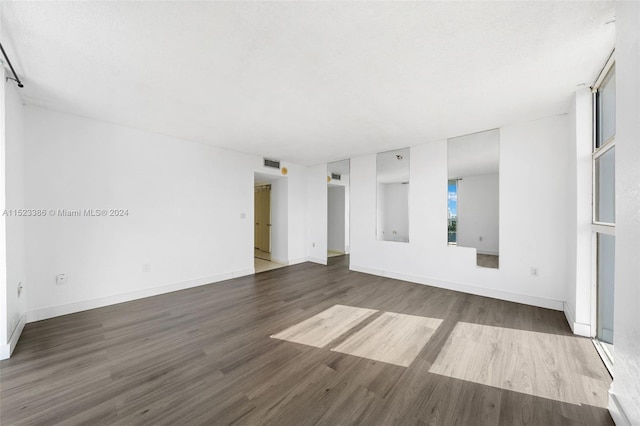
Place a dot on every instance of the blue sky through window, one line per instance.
(452, 203)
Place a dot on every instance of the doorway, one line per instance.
(338, 208)
(270, 232)
(262, 216)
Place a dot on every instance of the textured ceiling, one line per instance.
(307, 82)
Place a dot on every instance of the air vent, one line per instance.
(274, 164)
(335, 176)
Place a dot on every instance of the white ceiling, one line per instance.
(307, 82)
(475, 154)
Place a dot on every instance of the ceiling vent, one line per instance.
(335, 176)
(274, 164)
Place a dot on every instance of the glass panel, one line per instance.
(452, 211)
(605, 187)
(473, 195)
(606, 264)
(338, 208)
(392, 215)
(606, 109)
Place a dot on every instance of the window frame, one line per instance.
(598, 227)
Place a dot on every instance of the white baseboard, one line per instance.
(465, 288)
(297, 260)
(578, 328)
(56, 311)
(318, 260)
(7, 350)
(617, 412)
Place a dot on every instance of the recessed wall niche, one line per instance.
(392, 195)
(473, 195)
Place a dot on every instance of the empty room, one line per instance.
(333, 213)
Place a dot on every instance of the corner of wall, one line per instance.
(617, 413)
(577, 328)
(7, 349)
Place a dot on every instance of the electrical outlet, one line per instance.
(313, 244)
(480, 238)
(146, 267)
(19, 289)
(61, 279)
(534, 271)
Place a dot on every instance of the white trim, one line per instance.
(617, 412)
(603, 228)
(578, 328)
(541, 302)
(603, 354)
(610, 143)
(593, 313)
(297, 260)
(7, 350)
(605, 70)
(55, 311)
(318, 260)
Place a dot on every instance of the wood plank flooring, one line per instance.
(392, 338)
(204, 356)
(325, 327)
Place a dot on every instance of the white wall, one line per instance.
(533, 157)
(13, 173)
(4, 348)
(394, 208)
(336, 213)
(317, 213)
(279, 220)
(625, 394)
(185, 203)
(381, 202)
(579, 256)
(297, 216)
(347, 213)
(478, 214)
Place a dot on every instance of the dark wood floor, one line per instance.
(204, 356)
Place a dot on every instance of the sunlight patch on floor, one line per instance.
(392, 338)
(540, 364)
(328, 325)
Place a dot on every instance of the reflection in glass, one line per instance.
(452, 212)
(606, 267)
(338, 208)
(473, 195)
(606, 107)
(605, 187)
(392, 201)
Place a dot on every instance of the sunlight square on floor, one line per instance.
(540, 364)
(392, 338)
(328, 325)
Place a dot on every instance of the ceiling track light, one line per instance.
(15, 76)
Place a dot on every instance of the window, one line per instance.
(452, 212)
(604, 209)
